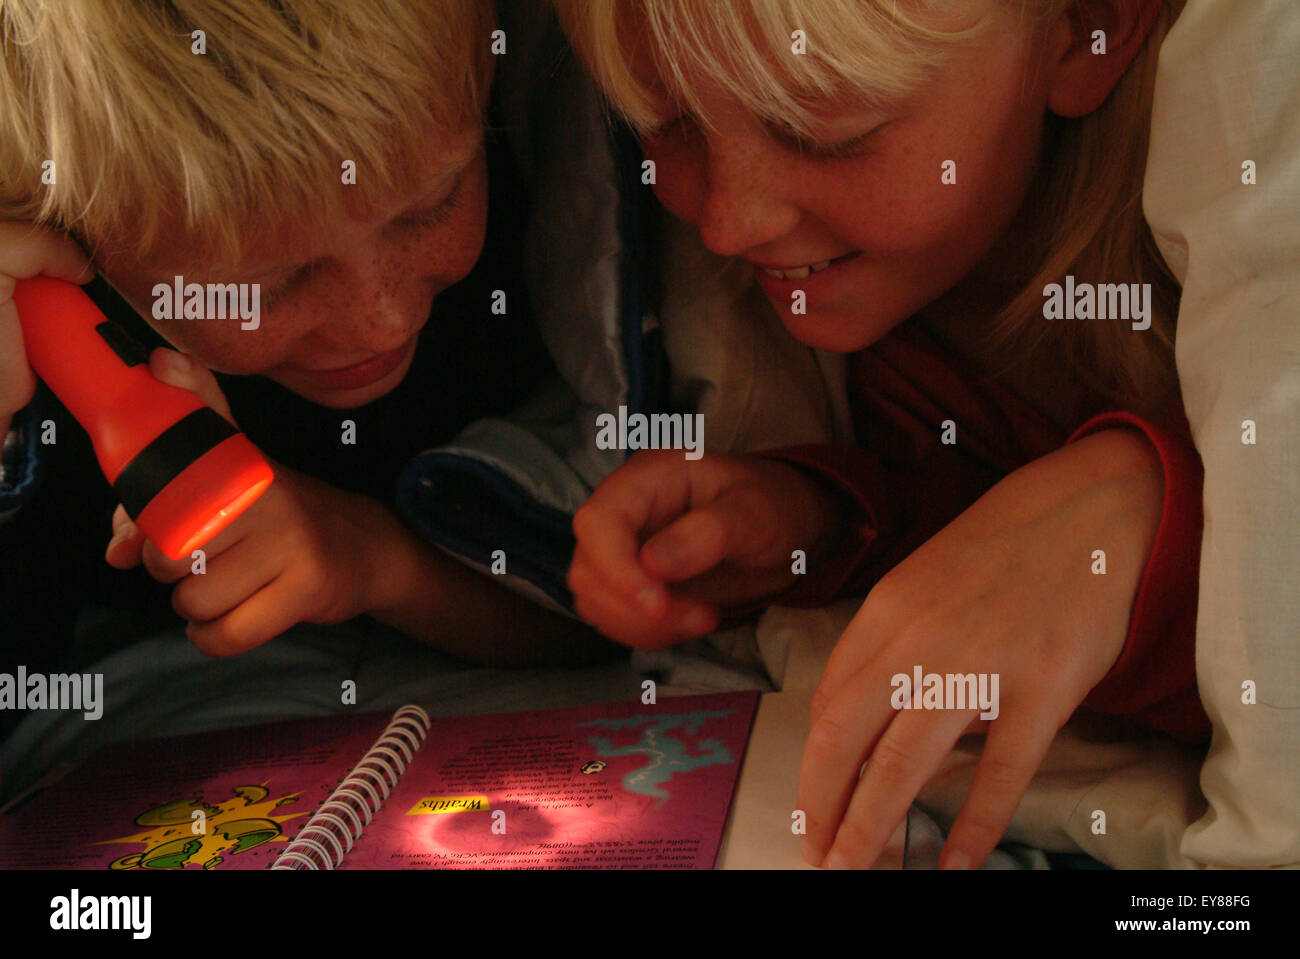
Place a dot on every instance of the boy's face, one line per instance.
(867, 195)
(340, 309)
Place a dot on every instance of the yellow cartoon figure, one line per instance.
(191, 832)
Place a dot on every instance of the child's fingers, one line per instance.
(160, 567)
(177, 369)
(643, 495)
(901, 761)
(601, 605)
(879, 616)
(1012, 753)
(614, 617)
(684, 621)
(736, 525)
(266, 614)
(840, 739)
(27, 250)
(227, 581)
(129, 548)
(125, 547)
(689, 546)
(607, 540)
(17, 381)
(732, 588)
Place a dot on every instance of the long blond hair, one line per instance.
(115, 122)
(1088, 195)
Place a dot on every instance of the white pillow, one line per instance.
(1227, 102)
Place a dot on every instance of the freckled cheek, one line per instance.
(449, 254)
(678, 178)
(421, 266)
(902, 208)
(393, 297)
(882, 217)
(421, 263)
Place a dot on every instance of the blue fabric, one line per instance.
(473, 510)
(469, 507)
(22, 460)
(643, 352)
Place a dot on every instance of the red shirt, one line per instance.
(906, 485)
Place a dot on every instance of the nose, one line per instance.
(744, 205)
(372, 312)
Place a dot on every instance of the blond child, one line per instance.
(335, 156)
(918, 186)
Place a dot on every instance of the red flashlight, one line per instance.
(181, 471)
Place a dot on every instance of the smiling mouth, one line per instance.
(802, 272)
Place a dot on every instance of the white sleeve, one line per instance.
(1222, 196)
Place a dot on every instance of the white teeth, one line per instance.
(798, 273)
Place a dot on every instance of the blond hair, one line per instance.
(237, 144)
(1088, 194)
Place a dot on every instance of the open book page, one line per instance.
(764, 829)
(227, 800)
(624, 785)
(762, 833)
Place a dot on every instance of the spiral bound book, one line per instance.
(623, 785)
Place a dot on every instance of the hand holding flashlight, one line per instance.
(28, 250)
(305, 552)
(181, 470)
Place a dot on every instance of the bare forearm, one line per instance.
(431, 597)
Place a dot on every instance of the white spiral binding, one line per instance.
(406, 731)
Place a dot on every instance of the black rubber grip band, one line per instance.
(171, 452)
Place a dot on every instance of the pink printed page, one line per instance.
(219, 800)
(619, 786)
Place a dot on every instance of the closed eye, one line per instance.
(286, 286)
(840, 150)
(828, 152)
(676, 124)
(843, 150)
(438, 214)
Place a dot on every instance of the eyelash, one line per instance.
(663, 129)
(827, 153)
(439, 214)
(845, 150)
(270, 297)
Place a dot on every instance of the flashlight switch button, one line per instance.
(131, 350)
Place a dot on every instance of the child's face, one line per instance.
(896, 237)
(341, 309)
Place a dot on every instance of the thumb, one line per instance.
(180, 370)
(125, 548)
(739, 526)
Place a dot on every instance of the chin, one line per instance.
(836, 332)
(344, 400)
